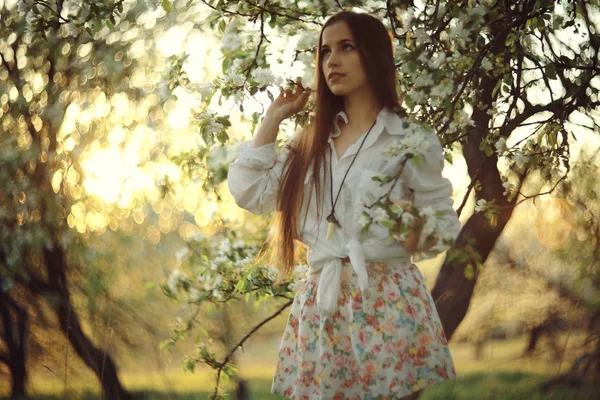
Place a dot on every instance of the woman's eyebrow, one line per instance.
(341, 41)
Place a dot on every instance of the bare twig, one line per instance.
(241, 343)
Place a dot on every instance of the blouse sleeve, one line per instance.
(253, 178)
(432, 195)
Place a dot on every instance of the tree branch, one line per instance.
(244, 339)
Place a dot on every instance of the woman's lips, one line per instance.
(335, 77)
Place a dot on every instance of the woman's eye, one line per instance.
(347, 45)
(325, 52)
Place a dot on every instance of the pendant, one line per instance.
(330, 230)
(332, 222)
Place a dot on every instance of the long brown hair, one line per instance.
(307, 150)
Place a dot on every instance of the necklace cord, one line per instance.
(331, 217)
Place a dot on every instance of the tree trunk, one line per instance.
(453, 291)
(15, 337)
(97, 359)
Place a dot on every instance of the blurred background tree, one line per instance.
(71, 91)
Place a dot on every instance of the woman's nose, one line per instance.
(333, 59)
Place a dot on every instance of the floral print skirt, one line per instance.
(386, 346)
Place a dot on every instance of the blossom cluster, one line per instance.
(402, 218)
(224, 270)
(413, 145)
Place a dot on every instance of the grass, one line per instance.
(500, 374)
(474, 386)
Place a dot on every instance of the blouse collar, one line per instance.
(386, 118)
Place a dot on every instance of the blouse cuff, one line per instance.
(262, 157)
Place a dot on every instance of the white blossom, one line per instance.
(421, 35)
(431, 222)
(481, 205)
(239, 96)
(31, 17)
(307, 39)
(364, 221)
(520, 159)
(174, 280)
(214, 127)
(508, 188)
(263, 76)
(234, 79)
(218, 280)
(217, 294)
(181, 253)
(501, 146)
(380, 215)
(307, 59)
(408, 219)
(206, 89)
(486, 64)
(301, 269)
(442, 90)
(418, 96)
(194, 294)
(308, 79)
(408, 17)
(272, 272)
(423, 80)
(475, 13)
(231, 41)
(221, 259)
(413, 143)
(24, 6)
(224, 247)
(437, 60)
(458, 32)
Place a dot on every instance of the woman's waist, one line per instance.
(371, 266)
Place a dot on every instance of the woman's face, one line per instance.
(339, 54)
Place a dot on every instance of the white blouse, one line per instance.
(254, 181)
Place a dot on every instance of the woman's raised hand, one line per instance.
(289, 102)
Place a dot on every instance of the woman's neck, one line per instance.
(362, 109)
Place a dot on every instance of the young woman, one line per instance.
(362, 325)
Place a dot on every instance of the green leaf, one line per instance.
(510, 39)
(540, 24)
(496, 88)
(448, 157)
(488, 150)
(387, 224)
(222, 25)
(166, 5)
(469, 272)
(552, 139)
